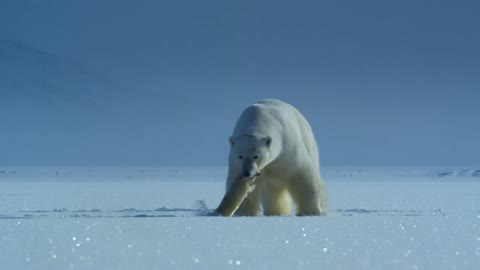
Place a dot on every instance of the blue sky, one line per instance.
(382, 82)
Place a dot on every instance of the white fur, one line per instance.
(273, 138)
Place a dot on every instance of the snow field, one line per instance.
(387, 222)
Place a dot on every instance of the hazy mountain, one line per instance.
(56, 111)
(36, 84)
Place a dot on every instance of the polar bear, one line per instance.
(273, 157)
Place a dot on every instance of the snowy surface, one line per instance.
(155, 218)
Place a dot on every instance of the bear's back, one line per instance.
(274, 112)
(263, 117)
(295, 121)
(284, 112)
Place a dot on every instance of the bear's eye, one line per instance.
(255, 157)
(240, 157)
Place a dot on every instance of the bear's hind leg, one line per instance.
(275, 201)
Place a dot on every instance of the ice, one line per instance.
(97, 218)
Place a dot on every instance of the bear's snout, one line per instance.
(247, 174)
(250, 174)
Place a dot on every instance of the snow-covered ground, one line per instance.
(155, 218)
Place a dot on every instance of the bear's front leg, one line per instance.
(307, 191)
(238, 191)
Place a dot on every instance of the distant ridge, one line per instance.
(41, 80)
(54, 110)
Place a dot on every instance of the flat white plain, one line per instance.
(155, 218)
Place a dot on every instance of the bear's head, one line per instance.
(250, 154)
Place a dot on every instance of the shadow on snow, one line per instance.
(200, 210)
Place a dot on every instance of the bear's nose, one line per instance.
(246, 174)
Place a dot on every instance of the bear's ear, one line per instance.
(268, 141)
(231, 140)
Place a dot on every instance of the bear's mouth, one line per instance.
(250, 177)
